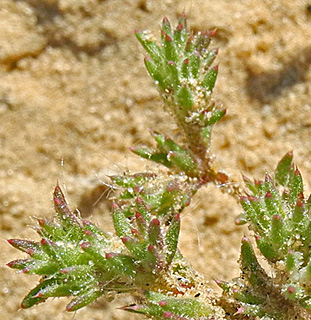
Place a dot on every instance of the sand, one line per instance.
(74, 96)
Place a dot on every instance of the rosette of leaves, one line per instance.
(280, 216)
(75, 258)
(153, 221)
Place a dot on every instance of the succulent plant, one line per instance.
(181, 68)
(279, 215)
(76, 258)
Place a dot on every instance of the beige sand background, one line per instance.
(74, 95)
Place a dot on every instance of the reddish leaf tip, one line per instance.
(150, 247)
(30, 251)
(180, 26)
(110, 255)
(114, 206)
(168, 38)
(212, 33)
(135, 232)
(88, 233)
(41, 222)
(162, 303)
(11, 241)
(85, 245)
(245, 240)
(125, 239)
(243, 198)
(238, 221)
(276, 217)
(155, 222)
(69, 308)
(86, 222)
(252, 199)
(291, 289)
(177, 216)
(38, 295)
(134, 308)
(25, 270)
(64, 271)
(168, 315)
(299, 203)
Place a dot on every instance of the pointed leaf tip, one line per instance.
(283, 169)
(245, 240)
(212, 33)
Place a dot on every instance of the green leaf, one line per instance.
(283, 170)
(266, 248)
(210, 57)
(157, 73)
(210, 79)
(296, 186)
(215, 117)
(84, 299)
(151, 47)
(195, 63)
(184, 162)
(185, 98)
(169, 47)
(279, 234)
(171, 238)
(158, 157)
(121, 223)
(154, 232)
(31, 299)
(250, 264)
(181, 34)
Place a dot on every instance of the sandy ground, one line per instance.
(74, 96)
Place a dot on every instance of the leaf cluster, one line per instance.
(76, 258)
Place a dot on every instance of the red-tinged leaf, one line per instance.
(31, 299)
(19, 264)
(154, 232)
(62, 208)
(28, 246)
